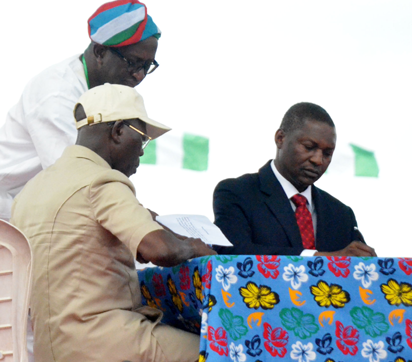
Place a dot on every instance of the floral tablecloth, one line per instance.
(261, 308)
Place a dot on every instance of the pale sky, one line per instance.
(229, 70)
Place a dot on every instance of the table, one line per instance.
(255, 308)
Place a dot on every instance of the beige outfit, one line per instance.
(85, 224)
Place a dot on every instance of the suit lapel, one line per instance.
(279, 204)
(322, 218)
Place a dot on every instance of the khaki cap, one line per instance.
(114, 102)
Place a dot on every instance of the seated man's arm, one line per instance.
(357, 245)
(355, 248)
(234, 216)
(118, 211)
(163, 248)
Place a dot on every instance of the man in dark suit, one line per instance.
(260, 214)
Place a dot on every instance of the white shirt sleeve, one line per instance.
(308, 252)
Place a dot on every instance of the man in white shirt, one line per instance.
(40, 126)
(263, 213)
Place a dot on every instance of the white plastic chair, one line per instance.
(15, 288)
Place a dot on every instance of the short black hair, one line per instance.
(300, 112)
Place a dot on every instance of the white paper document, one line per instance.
(195, 226)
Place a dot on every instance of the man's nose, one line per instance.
(139, 75)
(317, 157)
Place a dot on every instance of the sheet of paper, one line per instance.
(195, 226)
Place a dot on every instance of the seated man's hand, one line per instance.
(164, 249)
(201, 249)
(355, 248)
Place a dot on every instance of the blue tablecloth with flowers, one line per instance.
(261, 308)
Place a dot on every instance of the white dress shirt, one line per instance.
(291, 191)
(39, 127)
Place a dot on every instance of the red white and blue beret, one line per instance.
(120, 23)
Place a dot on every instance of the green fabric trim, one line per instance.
(86, 73)
(122, 36)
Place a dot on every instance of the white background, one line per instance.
(230, 69)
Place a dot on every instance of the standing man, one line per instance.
(86, 228)
(40, 126)
(278, 211)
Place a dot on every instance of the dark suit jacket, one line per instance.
(255, 214)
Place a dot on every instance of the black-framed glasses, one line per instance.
(145, 138)
(148, 67)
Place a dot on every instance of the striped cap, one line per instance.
(120, 23)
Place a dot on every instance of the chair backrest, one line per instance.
(15, 289)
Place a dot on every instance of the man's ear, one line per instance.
(279, 138)
(99, 52)
(117, 132)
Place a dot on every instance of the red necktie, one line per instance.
(304, 220)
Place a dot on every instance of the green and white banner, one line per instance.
(182, 150)
(191, 152)
(353, 160)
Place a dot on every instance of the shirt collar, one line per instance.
(78, 151)
(289, 189)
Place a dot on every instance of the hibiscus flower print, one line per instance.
(395, 343)
(147, 295)
(204, 325)
(184, 278)
(406, 265)
(339, 265)
(295, 275)
(197, 283)
(245, 268)
(302, 352)
(159, 286)
(276, 340)
(253, 346)
(226, 276)
(373, 323)
(203, 356)
(316, 267)
(386, 266)
(176, 299)
(218, 340)
(374, 351)
(408, 331)
(236, 353)
(258, 297)
(207, 278)
(324, 344)
(234, 324)
(268, 265)
(302, 325)
(397, 293)
(347, 339)
(210, 303)
(326, 295)
(366, 274)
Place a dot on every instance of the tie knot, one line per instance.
(299, 200)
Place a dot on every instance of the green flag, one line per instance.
(186, 151)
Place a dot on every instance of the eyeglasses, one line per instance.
(148, 67)
(145, 138)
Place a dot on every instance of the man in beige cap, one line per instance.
(86, 229)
